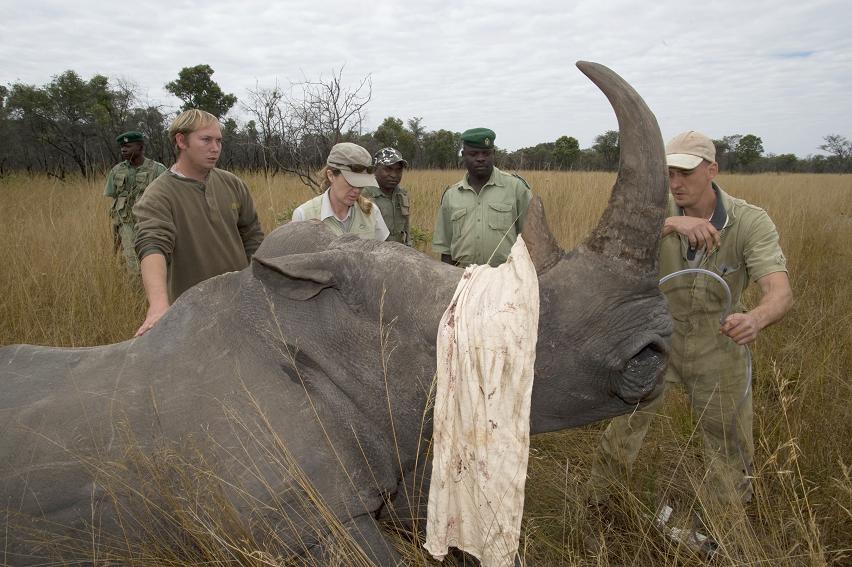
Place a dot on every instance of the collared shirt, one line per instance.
(480, 228)
(326, 215)
(718, 219)
(748, 250)
(395, 211)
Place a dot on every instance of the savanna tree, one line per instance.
(197, 89)
(748, 150)
(837, 145)
(72, 119)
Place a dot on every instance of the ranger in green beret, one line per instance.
(391, 199)
(481, 216)
(125, 183)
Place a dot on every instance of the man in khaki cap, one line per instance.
(707, 228)
(481, 216)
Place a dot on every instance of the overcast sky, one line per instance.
(779, 69)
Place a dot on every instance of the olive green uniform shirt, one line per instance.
(203, 229)
(126, 183)
(481, 228)
(395, 210)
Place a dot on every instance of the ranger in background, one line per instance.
(125, 183)
(391, 199)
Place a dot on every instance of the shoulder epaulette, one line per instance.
(447, 188)
(524, 181)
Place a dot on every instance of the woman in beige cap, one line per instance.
(348, 169)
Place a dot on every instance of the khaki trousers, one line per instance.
(714, 371)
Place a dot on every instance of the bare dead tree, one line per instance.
(298, 129)
(265, 105)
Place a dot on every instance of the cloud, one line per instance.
(782, 71)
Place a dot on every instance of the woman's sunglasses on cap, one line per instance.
(355, 167)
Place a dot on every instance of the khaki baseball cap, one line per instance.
(354, 162)
(688, 149)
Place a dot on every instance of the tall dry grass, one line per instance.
(63, 285)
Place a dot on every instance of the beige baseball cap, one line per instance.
(354, 162)
(688, 149)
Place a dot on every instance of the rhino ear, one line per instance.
(305, 275)
(541, 244)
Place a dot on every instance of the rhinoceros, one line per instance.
(303, 382)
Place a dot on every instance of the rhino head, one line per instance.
(604, 327)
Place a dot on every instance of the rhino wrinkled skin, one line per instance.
(323, 349)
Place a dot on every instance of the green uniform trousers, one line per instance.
(715, 373)
(125, 235)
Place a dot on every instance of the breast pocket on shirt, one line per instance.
(727, 269)
(734, 274)
(404, 207)
(500, 216)
(119, 182)
(457, 220)
(142, 179)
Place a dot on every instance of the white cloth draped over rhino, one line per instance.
(486, 353)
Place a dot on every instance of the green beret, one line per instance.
(132, 136)
(481, 138)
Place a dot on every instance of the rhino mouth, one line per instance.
(642, 376)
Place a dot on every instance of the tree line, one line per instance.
(69, 125)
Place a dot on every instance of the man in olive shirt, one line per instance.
(195, 221)
(707, 228)
(481, 216)
(391, 199)
(125, 183)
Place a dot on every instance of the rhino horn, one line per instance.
(629, 229)
(541, 244)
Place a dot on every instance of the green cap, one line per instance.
(132, 136)
(481, 138)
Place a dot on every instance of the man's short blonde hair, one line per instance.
(188, 122)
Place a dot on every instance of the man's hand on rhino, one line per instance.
(151, 318)
(154, 271)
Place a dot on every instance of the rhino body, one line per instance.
(314, 366)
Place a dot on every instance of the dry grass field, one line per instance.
(62, 285)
